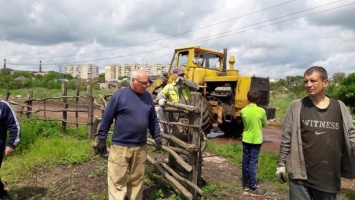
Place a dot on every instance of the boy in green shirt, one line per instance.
(254, 119)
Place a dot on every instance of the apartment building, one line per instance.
(86, 72)
(114, 71)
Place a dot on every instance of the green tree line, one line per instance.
(51, 80)
(340, 87)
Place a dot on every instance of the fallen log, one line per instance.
(180, 150)
(180, 178)
(176, 183)
(178, 159)
(188, 147)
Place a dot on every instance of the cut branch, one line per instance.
(178, 185)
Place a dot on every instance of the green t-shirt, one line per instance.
(254, 119)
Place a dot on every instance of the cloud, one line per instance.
(268, 38)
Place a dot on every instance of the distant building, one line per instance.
(273, 80)
(40, 73)
(86, 72)
(114, 71)
(20, 78)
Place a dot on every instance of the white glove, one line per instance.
(161, 102)
(180, 80)
(281, 174)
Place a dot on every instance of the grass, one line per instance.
(234, 154)
(42, 145)
(281, 101)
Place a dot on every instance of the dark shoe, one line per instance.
(257, 192)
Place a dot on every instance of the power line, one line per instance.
(213, 37)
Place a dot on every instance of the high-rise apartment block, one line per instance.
(87, 72)
(114, 71)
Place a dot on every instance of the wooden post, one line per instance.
(195, 157)
(65, 106)
(44, 107)
(77, 113)
(29, 104)
(7, 93)
(90, 112)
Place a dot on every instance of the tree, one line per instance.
(346, 91)
(338, 76)
(16, 74)
(6, 77)
(101, 78)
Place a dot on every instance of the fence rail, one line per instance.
(70, 104)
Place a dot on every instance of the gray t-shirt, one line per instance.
(322, 141)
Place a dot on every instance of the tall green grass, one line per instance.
(281, 101)
(234, 154)
(43, 146)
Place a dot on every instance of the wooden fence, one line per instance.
(186, 154)
(70, 104)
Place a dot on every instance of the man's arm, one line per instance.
(286, 138)
(192, 85)
(107, 118)
(347, 118)
(163, 94)
(153, 124)
(264, 120)
(12, 125)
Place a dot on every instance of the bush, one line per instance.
(346, 91)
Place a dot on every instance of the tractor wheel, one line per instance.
(233, 128)
(207, 117)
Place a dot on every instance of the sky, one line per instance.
(268, 38)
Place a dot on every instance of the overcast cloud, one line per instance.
(269, 38)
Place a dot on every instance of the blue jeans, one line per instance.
(250, 164)
(299, 191)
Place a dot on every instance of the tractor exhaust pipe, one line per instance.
(224, 60)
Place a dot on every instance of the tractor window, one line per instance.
(207, 60)
(180, 59)
(183, 58)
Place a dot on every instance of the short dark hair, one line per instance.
(322, 72)
(253, 95)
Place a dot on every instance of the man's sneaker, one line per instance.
(257, 192)
(246, 189)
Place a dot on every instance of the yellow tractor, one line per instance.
(224, 90)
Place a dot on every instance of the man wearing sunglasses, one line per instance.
(133, 110)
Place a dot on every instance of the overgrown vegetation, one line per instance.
(12, 79)
(284, 91)
(42, 145)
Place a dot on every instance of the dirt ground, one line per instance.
(88, 180)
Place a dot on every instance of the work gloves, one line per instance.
(158, 144)
(101, 146)
(180, 80)
(281, 174)
(162, 102)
